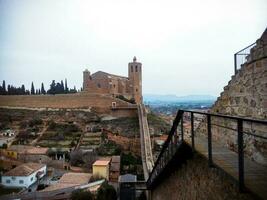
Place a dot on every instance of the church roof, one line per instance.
(108, 74)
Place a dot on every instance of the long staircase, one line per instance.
(146, 150)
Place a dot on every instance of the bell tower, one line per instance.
(135, 77)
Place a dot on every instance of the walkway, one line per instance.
(146, 150)
(255, 174)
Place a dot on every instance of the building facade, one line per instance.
(24, 175)
(101, 168)
(104, 83)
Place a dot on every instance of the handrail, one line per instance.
(166, 144)
(159, 165)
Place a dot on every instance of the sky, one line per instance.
(186, 47)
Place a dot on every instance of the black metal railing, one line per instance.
(168, 149)
(242, 56)
(175, 139)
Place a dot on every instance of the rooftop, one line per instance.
(101, 163)
(23, 149)
(25, 169)
(115, 159)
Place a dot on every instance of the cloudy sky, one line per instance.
(186, 47)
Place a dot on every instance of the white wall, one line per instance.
(27, 180)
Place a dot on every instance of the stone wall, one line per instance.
(195, 180)
(94, 102)
(245, 96)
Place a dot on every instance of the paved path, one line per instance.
(146, 150)
(34, 142)
(255, 174)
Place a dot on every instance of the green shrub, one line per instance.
(81, 195)
(106, 192)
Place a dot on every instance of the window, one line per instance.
(131, 68)
(8, 181)
(99, 85)
(114, 85)
(136, 68)
(136, 90)
(31, 178)
(21, 181)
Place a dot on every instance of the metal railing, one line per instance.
(242, 56)
(173, 141)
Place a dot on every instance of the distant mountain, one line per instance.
(174, 98)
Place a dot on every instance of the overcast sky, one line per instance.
(186, 46)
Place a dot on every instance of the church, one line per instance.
(104, 83)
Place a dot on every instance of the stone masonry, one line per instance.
(245, 96)
(104, 83)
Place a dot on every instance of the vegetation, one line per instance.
(106, 192)
(4, 191)
(158, 124)
(55, 88)
(81, 195)
(121, 97)
(109, 149)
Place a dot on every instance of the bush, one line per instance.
(106, 192)
(81, 195)
(35, 122)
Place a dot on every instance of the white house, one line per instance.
(24, 175)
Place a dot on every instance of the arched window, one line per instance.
(131, 68)
(136, 68)
(99, 85)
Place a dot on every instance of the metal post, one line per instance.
(240, 155)
(235, 60)
(182, 127)
(192, 131)
(209, 141)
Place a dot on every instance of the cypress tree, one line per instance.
(42, 89)
(23, 89)
(4, 87)
(32, 89)
(62, 87)
(66, 86)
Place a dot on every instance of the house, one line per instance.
(24, 175)
(28, 153)
(4, 140)
(114, 171)
(101, 168)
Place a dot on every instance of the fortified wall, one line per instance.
(245, 96)
(101, 104)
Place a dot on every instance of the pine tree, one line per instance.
(32, 89)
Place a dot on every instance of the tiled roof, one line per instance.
(25, 169)
(75, 178)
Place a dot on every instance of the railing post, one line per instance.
(209, 141)
(192, 131)
(235, 60)
(240, 155)
(182, 126)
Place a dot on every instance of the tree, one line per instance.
(42, 89)
(81, 195)
(66, 86)
(106, 192)
(32, 89)
(23, 89)
(62, 90)
(4, 87)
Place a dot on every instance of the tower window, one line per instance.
(131, 68)
(136, 68)
(99, 85)
(114, 85)
(136, 90)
